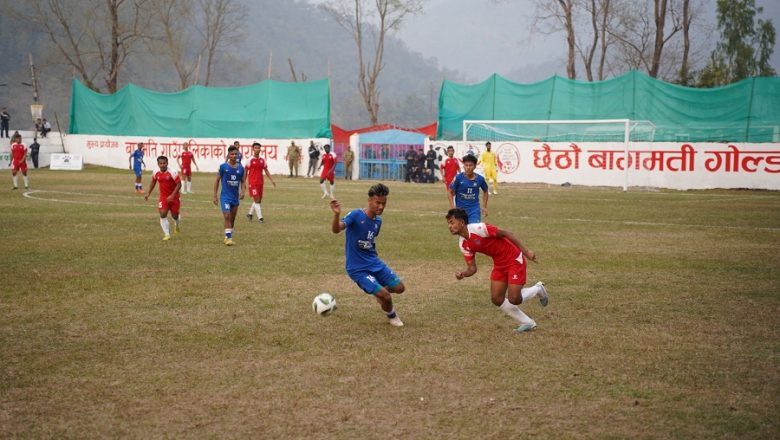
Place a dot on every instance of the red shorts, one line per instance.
(20, 166)
(330, 177)
(173, 206)
(448, 182)
(512, 274)
(186, 171)
(255, 191)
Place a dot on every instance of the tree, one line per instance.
(222, 19)
(388, 15)
(745, 47)
(95, 38)
(560, 15)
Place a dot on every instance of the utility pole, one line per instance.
(34, 80)
(270, 60)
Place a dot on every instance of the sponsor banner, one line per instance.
(71, 162)
(650, 164)
(115, 151)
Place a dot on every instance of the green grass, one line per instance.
(663, 320)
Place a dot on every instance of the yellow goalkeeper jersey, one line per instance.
(488, 160)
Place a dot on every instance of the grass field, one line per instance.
(664, 318)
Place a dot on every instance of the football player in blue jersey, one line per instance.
(465, 190)
(363, 264)
(231, 176)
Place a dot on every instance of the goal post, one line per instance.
(623, 131)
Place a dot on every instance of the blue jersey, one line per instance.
(467, 191)
(360, 249)
(138, 158)
(230, 181)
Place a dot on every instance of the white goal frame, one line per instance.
(628, 124)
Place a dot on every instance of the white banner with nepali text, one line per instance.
(647, 164)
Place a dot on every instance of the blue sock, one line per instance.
(391, 314)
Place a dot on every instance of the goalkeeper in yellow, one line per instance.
(489, 163)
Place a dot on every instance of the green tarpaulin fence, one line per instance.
(269, 109)
(747, 111)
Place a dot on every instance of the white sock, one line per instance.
(332, 189)
(26, 181)
(514, 312)
(259, 209)
(530, 292)
(166, 227)
(251, 208)
(189, 186)
(322, 185)
(16, 181)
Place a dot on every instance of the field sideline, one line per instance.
(664, 317)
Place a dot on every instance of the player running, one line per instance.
(231, 175)
(254, 173)
(489, 163)
(186, 160)
(18, 161)
(136, 162)
(328, 165)
(449, 169)
(362, 262)
(170, 186)
(465, 190)
(509, 265)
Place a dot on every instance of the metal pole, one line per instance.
(34, 80)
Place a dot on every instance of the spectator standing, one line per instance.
(293, 153)
(35, 147)
(5, 120)
(349, 158)
(314, 157)
(410, 158)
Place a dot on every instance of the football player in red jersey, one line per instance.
(254, 177)
(170, 185)
(186, 160)
(18, 161)
(509, 256)
(328, 165)
(449, 169)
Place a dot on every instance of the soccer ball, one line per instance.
(324, 304)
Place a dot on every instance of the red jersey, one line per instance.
(450, 168)
(255, 171)
(328, 166)
(482, 239)
(186, 159)
(168, 181)
(18, 153)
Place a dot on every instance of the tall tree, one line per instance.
(558, 16)
(385, 16)
(95, 38)
(746, 44)
(222, 19)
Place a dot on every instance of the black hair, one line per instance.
(450, 146)
(232, 148)
(470, 158)
(162, 157)
(378, 190)
(256, 143)
(459, 214)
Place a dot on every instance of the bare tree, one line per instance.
(387, 16)
(221, 19)
(555, 17)
(174, 18)
(95, 38)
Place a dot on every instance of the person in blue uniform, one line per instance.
(233, 179)
(363, 265)
(465, 190)
(137, 164)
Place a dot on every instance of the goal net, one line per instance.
(599, 130)
(620, 131)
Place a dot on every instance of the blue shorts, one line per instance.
(475, 214)
(372, 281)
(137, 171)
(227, 205)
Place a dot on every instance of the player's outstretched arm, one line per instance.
(336, 225)
(471, 269)
(528, 253)
(268, 173)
